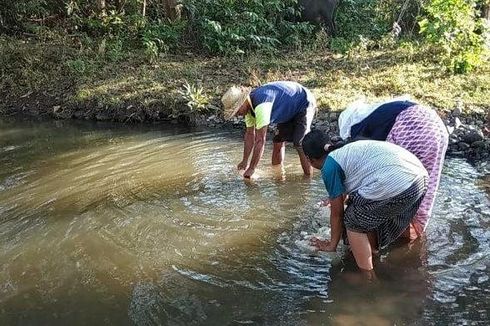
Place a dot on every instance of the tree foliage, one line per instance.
(235, 26)
(454, 25)
(230, 27)
(217, 26)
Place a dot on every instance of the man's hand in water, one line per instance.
(323, 245)
(248, 174)
(242, 165)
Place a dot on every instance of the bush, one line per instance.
(158, 38)
(236, 27)
(453, 25)
(195, 97)
(77, 66)
(371, 22)
(233, 27)
(217, 26)
(374, 18)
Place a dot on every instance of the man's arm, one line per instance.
(258, 150)
(249, 140)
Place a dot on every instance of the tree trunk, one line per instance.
(143, 11)
(485, 12)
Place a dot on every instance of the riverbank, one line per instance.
(63, 80)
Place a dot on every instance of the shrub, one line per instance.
(236, 27)
(195, 97)
(374, 18)
(162, 37)
(453, 26)
(361, 21)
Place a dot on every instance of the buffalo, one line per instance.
(320, 12)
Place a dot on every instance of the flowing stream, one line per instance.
(152, 225)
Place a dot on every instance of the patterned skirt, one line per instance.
(421, 131)
(388, 218)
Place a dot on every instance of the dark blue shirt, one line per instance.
(287, 99)
(378, 124)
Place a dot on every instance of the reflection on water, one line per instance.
(152, 225)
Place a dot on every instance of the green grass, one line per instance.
(54, 73)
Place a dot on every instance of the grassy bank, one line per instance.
(67, 79)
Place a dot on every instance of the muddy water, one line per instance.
(152, 225)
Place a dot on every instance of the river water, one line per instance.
(111, 224)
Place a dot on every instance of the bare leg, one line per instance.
(305, 164)
(413, 231)
(278, 172)
(373, 242)
(278, 153)
(361, 249)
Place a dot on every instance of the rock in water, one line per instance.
(473, 135)
(457, 123)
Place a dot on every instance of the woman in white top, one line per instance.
(385, 185)
(416, 128)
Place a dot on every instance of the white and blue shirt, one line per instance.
(377, 170)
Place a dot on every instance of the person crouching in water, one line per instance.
(384, 185)
(416, 128)
(288, 104)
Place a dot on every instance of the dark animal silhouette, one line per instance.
(485, 11)
(319, 12)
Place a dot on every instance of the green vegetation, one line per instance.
(230, 27)
(159, 55)
(453, 25)
(160, 26)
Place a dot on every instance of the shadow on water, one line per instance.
(152, 226)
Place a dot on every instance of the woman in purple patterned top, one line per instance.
(418, 129)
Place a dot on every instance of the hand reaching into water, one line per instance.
(323, 245)
(324, 202)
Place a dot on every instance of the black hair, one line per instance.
(314, 144)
